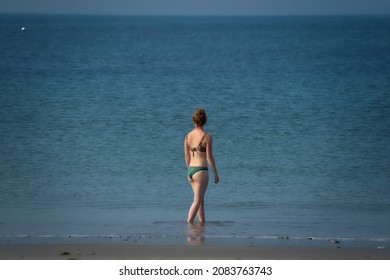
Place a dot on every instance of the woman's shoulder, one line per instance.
(194, 133)
(189, 133)
(207, 136)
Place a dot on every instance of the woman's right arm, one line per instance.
(210, 158)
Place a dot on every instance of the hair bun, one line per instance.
(199, 117)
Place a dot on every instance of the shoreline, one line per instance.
(184, 252)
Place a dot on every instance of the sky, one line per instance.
(197, 7)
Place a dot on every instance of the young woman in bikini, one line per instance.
(198, 156)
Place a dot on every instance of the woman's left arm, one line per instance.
(187, 155)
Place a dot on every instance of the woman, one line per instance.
(198, 155)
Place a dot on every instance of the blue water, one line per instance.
(94, 110)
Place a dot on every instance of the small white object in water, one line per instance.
(23, 28)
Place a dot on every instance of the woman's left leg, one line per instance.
(199, 187)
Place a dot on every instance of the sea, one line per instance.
(94, 111)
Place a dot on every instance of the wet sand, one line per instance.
(184, 252)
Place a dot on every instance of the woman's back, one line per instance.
(197, 142)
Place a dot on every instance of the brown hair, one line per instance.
(199, 117)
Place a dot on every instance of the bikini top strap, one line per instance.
(201, 141)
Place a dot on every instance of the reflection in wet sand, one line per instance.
(195, 233)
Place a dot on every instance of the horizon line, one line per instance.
(192, 15)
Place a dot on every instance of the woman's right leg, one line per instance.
(199, 187)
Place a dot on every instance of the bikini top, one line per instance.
(201, 147)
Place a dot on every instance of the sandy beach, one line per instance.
(183, 252)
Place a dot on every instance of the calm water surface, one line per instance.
(94, 110)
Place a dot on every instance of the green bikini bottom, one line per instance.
(194, 169)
